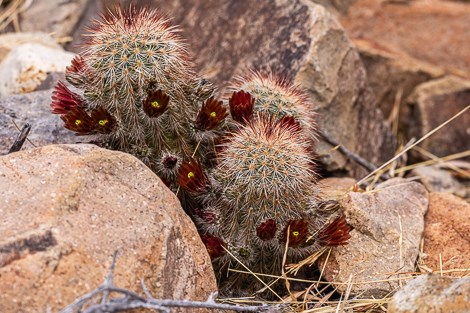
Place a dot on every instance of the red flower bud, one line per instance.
(336, 233)
(212, 113)
(214, 245)
(63, 100)
(266, 230)
(241, 106)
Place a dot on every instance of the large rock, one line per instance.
(57, 17)
(432, 294)
(447, 233)
(393, 75)
(24, 67)
(33, 108)
(302, 42)
(432, 31)
(388, 225)
(431, 104)
(65, 209)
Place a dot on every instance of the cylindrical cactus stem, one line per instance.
(134, 76)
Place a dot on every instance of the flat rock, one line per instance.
(431, 104)
(57, 17)
(302, 42)
(25, 67)
(432, 294)
(33, 108)
(64, 211)
(405, 26)
(447, 233)
(388, 225)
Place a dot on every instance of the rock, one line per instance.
(447, 233)
(302, 42)
(26, 66)
(62, 16)
(33, 108)
(387, 226)
(12, 40)
(406, 27)
(65, 209)
(431, 104)
(336, 6)
(334, 188)
(432, 294)
(393, 75)
(436, 179)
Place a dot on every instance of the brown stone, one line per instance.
(431, 104)
(387, 226)
(432, 294)
(393, 75)
(438, 179)
(447, 233)
(302, 42)
(432, 31)
(65, 209)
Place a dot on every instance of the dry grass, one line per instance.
(10, 11)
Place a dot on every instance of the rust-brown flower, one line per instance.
(191, 177)
(241, 106)
(336, 233)
(78, 120)
(103, 121)
(210, 116)
(63, 100)
(266, 230)
(156, 103)
(214, 245)
(297, 230)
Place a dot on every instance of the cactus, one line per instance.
(278, 98)
(135, 90)
(262, 193)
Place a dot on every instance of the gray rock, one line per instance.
(388, 225)
(32, 108)
(65, 210)
(432, 294)
(436, 179)
(431, 104)
(59, 17)
(302, 42)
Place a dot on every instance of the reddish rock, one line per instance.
(432, 31)
(432, 294)
(65, 209)
(393, 75)
(431, 104)
(387, 226)
(447, 233)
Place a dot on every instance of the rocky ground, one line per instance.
(380, 75)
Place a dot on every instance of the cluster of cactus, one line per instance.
(248, 179)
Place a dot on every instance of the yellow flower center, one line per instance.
(78, 122)
(295, 233)
(155, 104)
(213, 114)
(190, 175)
(103, 122)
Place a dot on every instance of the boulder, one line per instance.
(65, 210)
(432, 294)
(57, 17)
(393, 75)
(431, 104)
(388, 225)
(33, 108)
(304, 43)
(406, 26)
(447, 234)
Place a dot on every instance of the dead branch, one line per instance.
(18, 144)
